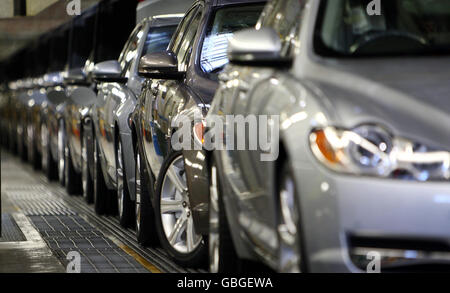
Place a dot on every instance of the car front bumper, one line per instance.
(348, 221)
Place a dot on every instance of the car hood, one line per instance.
(409, 96)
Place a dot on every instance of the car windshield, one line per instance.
(225, 22)
(382, 28)
(158, 38)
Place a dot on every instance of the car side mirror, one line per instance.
(75, 76)
(160, 65)
(108, 71)
(256, 47)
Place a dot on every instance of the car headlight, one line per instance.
(371, 150)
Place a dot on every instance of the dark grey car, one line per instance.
(183, 82)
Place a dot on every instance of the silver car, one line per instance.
(119, 86)
(361, 180)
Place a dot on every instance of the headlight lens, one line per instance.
(371, 150)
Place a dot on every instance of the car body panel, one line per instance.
(165, 101)
(115, 103)
(318, 91)
(52, 114)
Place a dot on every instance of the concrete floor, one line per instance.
(30, 256)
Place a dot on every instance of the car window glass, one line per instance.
(403, 27)
(185, 49)
(224, 24)
(158, 38)
(284, 17)
(182, 29)
(129, 54)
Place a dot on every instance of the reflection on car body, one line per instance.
(182, 81)
(360, 146)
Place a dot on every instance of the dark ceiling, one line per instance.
(17, 32)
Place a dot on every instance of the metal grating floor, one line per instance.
(64, 223)
(65, 233)
(59, 224)
(10, 230)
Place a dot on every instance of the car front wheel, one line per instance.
(222, 255)
(72, 178)
(86, 178)
(290, 251)
(174, 221)
(101, 192)
(49, 165)
(124, 203)
(145, 225)
(61, 155)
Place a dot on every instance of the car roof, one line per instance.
(231, 2)
(164, 19)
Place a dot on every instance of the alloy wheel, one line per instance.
(176, 214)
(214, 237)
(138, 192)
(61, 154)
(120, 187)
(289, 250)
(96, 191)
(44, 144)
(85, 167)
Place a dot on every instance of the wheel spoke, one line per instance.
(177, 230)
(190, 234)
(171, 206)
(214, 202)
(176, 179)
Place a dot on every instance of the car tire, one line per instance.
(86, 178)
(175, 219)
(73, 180)
(125, 206)
(222, 254)
(35, 156)
(61, 153)
(101, 192)
(22, 147)
(13, 148)
(146, 234)
(49, 166)
(291, 256)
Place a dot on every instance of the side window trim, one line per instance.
(135, 65)
(197, 16)
(128, 66)
(126, 47)
(187, 19)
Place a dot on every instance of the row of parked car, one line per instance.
(362, 160)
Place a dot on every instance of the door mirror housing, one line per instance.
(75, 76)
(108, 71)
(160, 65)
(256, 48)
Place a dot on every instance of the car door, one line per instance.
(110, 96)
(251, 178)
(163, 97)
